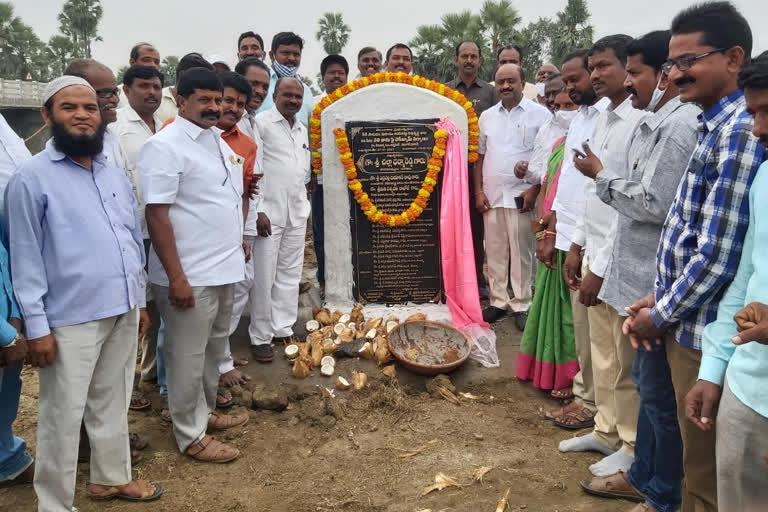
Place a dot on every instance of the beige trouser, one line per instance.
(699, 491)
(195, 341)
(90, 382)
(509, 247)
(615, 393)
(583, 382)
(742, 456)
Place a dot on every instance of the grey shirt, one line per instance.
(656, 160)
(480, 93)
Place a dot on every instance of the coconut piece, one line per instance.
(338, 328)
(342, 384)
(359, 380)
(373, 323)
(300, 368)
(312, 325)
(317, 352)
(416, 317)
(393, 318)
(315, 311)
(345, 319)
(304, 350)
(315, 336)
(329, 346)
(357, 314)
(390, 371)
(323, 317)
(366, 352)
(359, 334)
(336, 316)
(292, 351)
(382, 354)
(337, 342)
(327, 370)
(328, 360)
(352, 326)
(391, 325)
(327, 331)
(347, 335)
(371, 334)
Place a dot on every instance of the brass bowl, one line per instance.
(429, 348)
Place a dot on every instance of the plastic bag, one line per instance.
(483, 345)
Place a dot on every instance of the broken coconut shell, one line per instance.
(315, 336)
(391, 325)
(300, 368)
(328, 360)
(338, 328)
(329, 346)
(317, 352)
(304, 350)
(359, 380)
(292, 351)
(328, 331)
(323, 317)
(371, 334)
(347, 335)
(390, 371)
(327, 370)
(393, 318)
(336, 316)
(373, 323)
(357, 315)
(312, 325)
(420, 317)
(342, 384)
(366, 352)
(382, 354)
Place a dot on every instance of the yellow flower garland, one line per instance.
(387, 77)
(418, 205)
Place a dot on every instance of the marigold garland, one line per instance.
(387, 77)
(418, 205)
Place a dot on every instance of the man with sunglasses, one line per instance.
(703, 235)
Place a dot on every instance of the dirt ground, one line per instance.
(369, 451)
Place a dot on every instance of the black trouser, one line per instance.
(478, 233)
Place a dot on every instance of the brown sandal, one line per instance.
(210, 450)
(576, 419)
(149, 492)
(138, 401)
(562, 394)
(560, 413)
(218, 421)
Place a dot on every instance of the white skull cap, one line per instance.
(60, 83)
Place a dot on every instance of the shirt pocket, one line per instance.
(528, 136)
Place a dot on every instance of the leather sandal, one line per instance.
(218, 421)
(149, 492)
(560, 413)
(615, 486)
(577, 419)
(210, 450)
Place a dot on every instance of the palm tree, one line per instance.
(168, 68)
(572, 30)
(332, 32)
(79, 20)
(429, 50)
(499, 22)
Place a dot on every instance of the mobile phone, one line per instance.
(519, 202)
(579, 153)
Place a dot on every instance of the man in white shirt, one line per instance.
(507, 134)
(193, 187)
(567, 209)
(612, 355)
(13, 152)
(513, 54)
(142, 54)
(257, 74)
(282, 219)
(137, 122)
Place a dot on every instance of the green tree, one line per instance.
(332, 32)
(168, 68)
(22, 53)
(499, 22)
(120, 75)
(79, 21)
(534, 41)
(60, 52)
(572, 30)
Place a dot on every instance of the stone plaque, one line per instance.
(394, 265)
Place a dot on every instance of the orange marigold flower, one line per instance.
(473, 157)
(429, 188)
(345, 89)
(316, 144)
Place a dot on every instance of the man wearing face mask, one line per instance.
(543, 75)
(642, 194)
(286, 58)
(552, 88)
(193, 189)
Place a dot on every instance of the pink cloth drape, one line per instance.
(458, 258)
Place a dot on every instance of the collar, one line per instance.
(622, 110)
(523, 105)
(590, 110)
(232, 132)
(132, 115)
(56, 156)
(191, 129)
(654, 120)
(277, 117)
(475, 83)
(722, 110)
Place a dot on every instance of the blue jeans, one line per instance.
(658, 467)
(160, 360)
(14, 458)
(318, 230)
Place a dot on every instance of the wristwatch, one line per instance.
(14, 340)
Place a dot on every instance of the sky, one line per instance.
(177, 27)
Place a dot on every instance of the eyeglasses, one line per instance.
(107, 93)
(685, 62)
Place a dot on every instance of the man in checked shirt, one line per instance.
(702, 240)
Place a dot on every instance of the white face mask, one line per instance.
(656, 97)
(563, 118)
(540, 86)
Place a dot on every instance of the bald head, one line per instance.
(288, 97)
(288, 79)
(509, 84)
(102, 80)
(546, 72)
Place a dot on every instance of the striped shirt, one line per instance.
(701, 243)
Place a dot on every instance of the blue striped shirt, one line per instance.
(701, 243)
